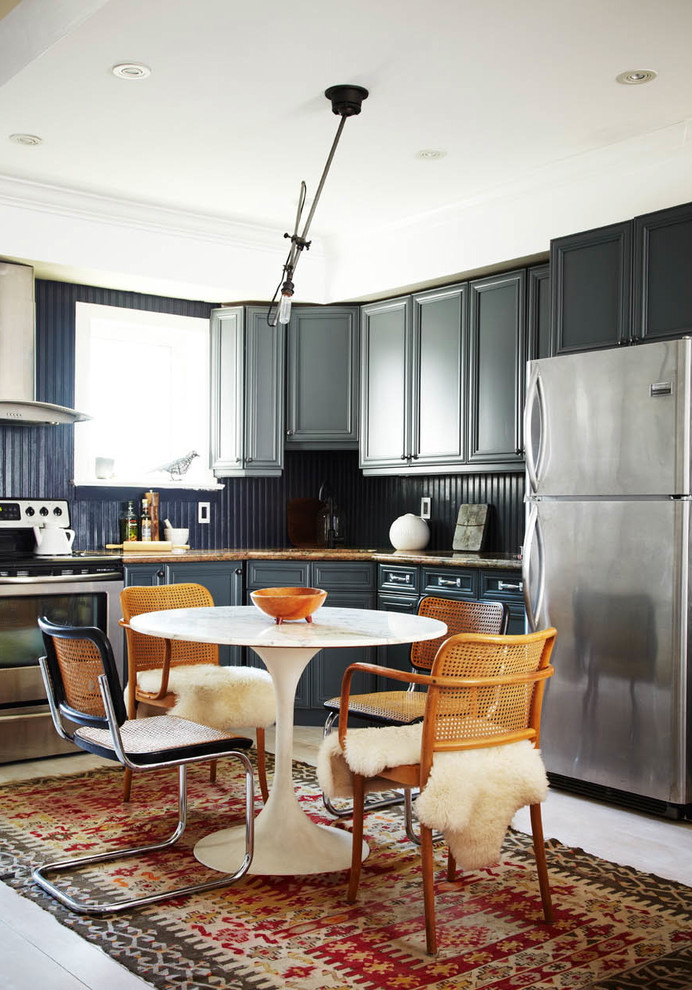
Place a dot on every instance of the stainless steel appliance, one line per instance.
(607, 562)
(75, 588)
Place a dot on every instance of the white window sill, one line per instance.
(200, 486)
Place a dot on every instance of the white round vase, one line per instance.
(409, 532)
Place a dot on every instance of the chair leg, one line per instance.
(357, 846)
(212, 772)
(262, 765)
(426, 853)
(85, 907)
(451, 866)
(541, 864)
(127, 785)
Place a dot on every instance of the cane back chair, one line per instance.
(151, 653)
(482, 691)
(88, 709)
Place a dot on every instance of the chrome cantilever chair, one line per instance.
(483, 691)
(83, 687)
(151, 653)
(407, 706)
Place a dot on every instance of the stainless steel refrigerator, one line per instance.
(607, 562)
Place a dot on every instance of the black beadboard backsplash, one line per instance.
(36, 461)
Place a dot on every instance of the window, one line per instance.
(144, 378)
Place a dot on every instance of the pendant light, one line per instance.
(346, 102)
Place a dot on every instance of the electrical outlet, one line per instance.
(425, 503)
(203, 512)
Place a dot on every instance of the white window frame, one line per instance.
(192, 336)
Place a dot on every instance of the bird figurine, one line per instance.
(179, 467)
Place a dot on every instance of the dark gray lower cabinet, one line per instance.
(350, 584)
(224, 579)
(401, 586)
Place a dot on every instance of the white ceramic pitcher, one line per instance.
(51, 541)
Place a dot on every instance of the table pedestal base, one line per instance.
(287, 842)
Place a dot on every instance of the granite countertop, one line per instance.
(450, 558)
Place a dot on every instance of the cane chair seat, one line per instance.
(149, 654)
(88, 709)
(482, 692)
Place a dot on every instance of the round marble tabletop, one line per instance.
(245, 625)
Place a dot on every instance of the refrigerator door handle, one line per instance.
(531, 539)
(535, 398)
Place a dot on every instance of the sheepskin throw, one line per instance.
(471, 796)
(222, 697)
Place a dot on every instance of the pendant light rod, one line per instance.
(346, 102)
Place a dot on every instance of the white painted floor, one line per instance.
(36, 951)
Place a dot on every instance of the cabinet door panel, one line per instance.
(439, 376)
(497, 358)
(663, 287)
(225, 583)
(591, 287)
(322, 378)
(538, 330)
(385, 377)
(264, 423)
(227, 390)
(327, 668)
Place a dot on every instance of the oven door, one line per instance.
(26, 728)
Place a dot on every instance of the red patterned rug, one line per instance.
(615, 929)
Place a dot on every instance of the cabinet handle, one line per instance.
(415, 457)
(399, 578)
(508, 586)
(403, 457)
(289, 433)
(161, 573)
(449, 582)
(248, 460)
(239, 570)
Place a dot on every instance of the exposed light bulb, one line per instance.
(284, 313)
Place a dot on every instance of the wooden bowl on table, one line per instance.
(288, 604)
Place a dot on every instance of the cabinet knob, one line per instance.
(248, 460)
(403, 457)
(161, 573)
(239, 570)
(289, 433)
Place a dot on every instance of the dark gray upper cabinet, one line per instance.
(413, 383)
(247, 389)
(496, 364)
(386, 346)
(322, 378)
(591, 276)
(662, 265)
(538, 335)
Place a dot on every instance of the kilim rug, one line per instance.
(615, 929)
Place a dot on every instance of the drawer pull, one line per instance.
(449, 582)
(399, 578)
(508, 586)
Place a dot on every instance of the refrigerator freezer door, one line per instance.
(610, 422)
(609, 577)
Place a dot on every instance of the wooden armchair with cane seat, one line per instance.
(88, 709)
(405, 707)
(165, 673)
(483, 692)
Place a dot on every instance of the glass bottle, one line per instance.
(129, 523)
(145, 523)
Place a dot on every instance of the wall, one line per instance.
(37, 461)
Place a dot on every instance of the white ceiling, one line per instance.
(211, 148)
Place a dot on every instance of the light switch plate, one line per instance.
(203, 512)
(425, 504)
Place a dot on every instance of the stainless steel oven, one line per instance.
(75, 588)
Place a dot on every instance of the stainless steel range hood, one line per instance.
(17, 369)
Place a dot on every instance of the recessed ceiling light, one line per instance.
(634, 77)
(131, 70)
(27, 139)
(430, 154)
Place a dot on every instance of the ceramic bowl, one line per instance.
(289, 604)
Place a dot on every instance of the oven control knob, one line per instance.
(43, 511)
(30, 510)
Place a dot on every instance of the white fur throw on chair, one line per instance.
(470, 797)
(221, 697)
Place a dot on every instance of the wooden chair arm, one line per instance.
(165, 666)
